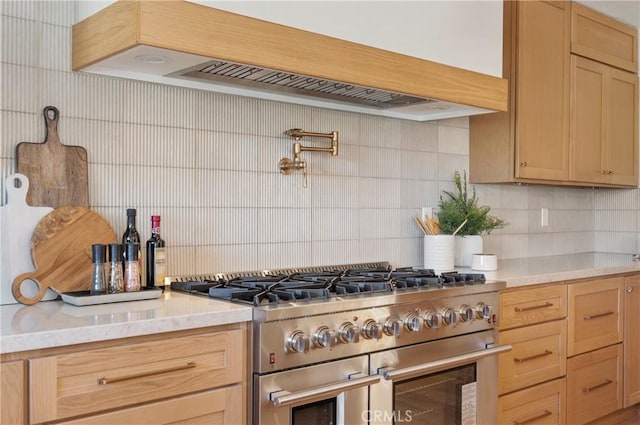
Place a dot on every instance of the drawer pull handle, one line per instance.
(534, 418)
(595, 316)
(105, 381)
(535, 356)
(595, 387)
(533, 307)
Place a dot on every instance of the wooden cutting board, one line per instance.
(61, 251)
(17, 223)
(58, 173)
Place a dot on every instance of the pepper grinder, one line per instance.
(116, 276)
(131, 268)
(99, 276)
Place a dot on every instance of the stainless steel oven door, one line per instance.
(332, 393)
(450, 381)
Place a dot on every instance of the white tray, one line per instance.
(82, 298)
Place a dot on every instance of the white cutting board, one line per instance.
(17, 223)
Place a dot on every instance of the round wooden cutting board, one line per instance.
(61, 251)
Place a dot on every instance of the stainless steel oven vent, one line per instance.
(278, 81)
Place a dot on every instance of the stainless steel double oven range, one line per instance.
(366, 344)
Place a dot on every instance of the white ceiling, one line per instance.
(627, 11)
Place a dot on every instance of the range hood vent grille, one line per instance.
(272, 80)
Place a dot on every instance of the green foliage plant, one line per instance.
(458, 206)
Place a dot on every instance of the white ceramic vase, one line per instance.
(466, 246)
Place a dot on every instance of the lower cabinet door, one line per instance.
(223, 406)
(542, 404)
(594, 384)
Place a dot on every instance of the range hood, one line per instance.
(186, 44)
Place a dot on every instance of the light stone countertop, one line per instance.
(55, 323)
(536, 270)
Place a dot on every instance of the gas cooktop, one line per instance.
(324, 283)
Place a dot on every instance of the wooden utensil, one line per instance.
(422, 226)
(58, 173)
(17, 223)
(61, 251)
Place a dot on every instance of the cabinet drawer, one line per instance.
(595, 315)
(13, 393)
(87, 382)
(602, 38)
(542, 404)
(222, 406)
(535, 305)
(538, 355)
(594, 384)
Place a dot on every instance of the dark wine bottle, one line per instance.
(131, 235)
(156, 256)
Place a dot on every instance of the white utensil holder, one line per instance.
(439, 252)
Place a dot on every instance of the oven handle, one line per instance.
(439, 365)
(284, 398)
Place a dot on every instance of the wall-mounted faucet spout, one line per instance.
(287, 166)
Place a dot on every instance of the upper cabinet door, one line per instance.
(622, 127)
(542, 90)
(604, 120)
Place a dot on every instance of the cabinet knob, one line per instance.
(629, 289)
(523, 164)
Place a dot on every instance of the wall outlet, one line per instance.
(544, 217)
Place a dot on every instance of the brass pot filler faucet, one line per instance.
(287, 166)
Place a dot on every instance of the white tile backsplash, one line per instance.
(208, 164)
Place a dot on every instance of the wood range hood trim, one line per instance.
(108, 41)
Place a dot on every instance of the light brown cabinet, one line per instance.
(190, 376)
(572, 120)
(594, 384)
(632, 341)
(599, 37)
(531, 376)
(538, 355)
(531, 141)
(13, 393)
(604, 120)
(542, 404)
(595, 314)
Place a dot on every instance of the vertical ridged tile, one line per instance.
(453, 140)
(274, 118)
(280, 225)
(20, 9)
(158, 104)
(58, 12)
(379, 131)
(20, 41)
(226, 151)
(16, 127)
(18, 88)
(55, 48)
(284, 255)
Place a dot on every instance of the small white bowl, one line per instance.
(484, 262)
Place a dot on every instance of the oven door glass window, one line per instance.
(447, 397)
(319, 413)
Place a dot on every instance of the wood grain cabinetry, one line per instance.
(13, 393)
(531, 376)
(599, 37)
(573, 117)
(542, 404)
(595, 314)
(190, 376)
(85, 382)
(531, 140)
(632, 341)
(216, 407)
(594, 384)
(604, 121)
(538, 355)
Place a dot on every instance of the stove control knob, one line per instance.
(324, 338)
(412, 322)
(466, 313)
(392, 326)
(431, 320)
(298, 342)
(449, 316)
(483, 311)
(349, 332)
(371, 329)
